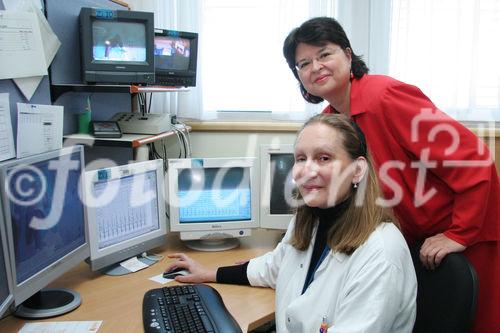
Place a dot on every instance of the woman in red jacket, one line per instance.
(436, 174)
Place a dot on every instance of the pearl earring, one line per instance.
(355, 185)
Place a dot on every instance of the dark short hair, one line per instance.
(319, 31)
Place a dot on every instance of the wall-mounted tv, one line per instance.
(176, 56)
(116, 46)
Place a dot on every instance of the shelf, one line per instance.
(56, 90)
(127, 140)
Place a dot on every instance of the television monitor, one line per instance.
(6, 296)
(213, 201)
(116, 46)
(176, 56)
(277, 186)
(46, 228)
(126, 214)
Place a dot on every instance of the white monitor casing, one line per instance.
(267, 219)
(212, 230)
(112, 254)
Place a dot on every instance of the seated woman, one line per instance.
(341, 260)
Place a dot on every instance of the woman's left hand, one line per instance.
(435, 248)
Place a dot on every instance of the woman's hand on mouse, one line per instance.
(197, 272)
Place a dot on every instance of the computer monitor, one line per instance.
(46, 228)
(176, 57)
(6, 296)
(277, 186)
(116, 46)
(126, 214)
(212, 201)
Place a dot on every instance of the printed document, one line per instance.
(21, 50)
(39, 128)
(62, 327)
(50, 43)
(6, 136)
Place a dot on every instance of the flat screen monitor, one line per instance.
(6, 296)
(116, 46)
(277, 186)
(176, 56)
(126, 214)
(213, 201)
(46, 228)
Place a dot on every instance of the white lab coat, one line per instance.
(373, 290)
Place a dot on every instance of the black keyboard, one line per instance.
(186, 309)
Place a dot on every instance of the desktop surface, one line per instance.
(117, 301)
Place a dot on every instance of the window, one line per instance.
(243, 68)
(449, 49)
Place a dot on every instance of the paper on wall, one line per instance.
(50, 44)
(39, 128)
(6, 135)
(21, 50)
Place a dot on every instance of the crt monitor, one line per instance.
(176, 56)
(212, 201)
(277, 186)
(6, 296)
(126, 214)
(116, 46)
(46, 228)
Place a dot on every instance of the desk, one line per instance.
(117, 301)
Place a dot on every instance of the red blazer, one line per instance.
(439, 175)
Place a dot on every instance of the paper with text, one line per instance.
(21, 50)
(6, 136)
(133, 264)
(62, 327)
(50, 42)
(39, 128)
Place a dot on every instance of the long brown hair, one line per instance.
(362, 214)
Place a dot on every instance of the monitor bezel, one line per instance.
(101, 258)
(193, 57)
(41, 279)
(268, 220)
(89, 15)
(5, 305)
(174, 165)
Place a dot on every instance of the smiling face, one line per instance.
(327, 72)
(323, 170)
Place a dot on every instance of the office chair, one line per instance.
(446, 297)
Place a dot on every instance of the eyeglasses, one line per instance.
(324, 56)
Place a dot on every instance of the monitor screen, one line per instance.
(172, 53)
(45, 218)
(277, 185)
(212, 198)
(126, 212)
(118, 41)
(6, 297)
(227, 200)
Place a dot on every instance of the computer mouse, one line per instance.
(171, 274)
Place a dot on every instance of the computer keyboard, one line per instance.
(186, 309)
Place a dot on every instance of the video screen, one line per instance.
(281, 183)
(118, 41)
(172, 53)
(46, 213)
(214, 194)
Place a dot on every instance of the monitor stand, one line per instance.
(213, 245)
(49, 303)
(117, 269)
